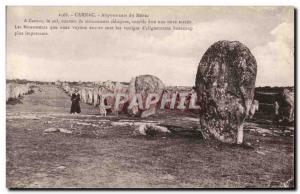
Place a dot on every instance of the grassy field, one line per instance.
(98, 154)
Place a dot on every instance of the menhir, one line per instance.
(140, 87)
(225, 85)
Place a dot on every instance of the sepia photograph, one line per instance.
(150, 97)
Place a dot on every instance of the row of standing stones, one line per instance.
(15, 90)
(225, 84)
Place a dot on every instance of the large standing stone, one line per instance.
(90, 95)
(83, 95)
(225, 85)
(108, 92)
(144, 85)
(286, 108)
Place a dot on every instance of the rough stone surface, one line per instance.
(286, 108)
(225, 85)
(83, 95)
(62, 130)
(151, 130)
(14, 90)
(90, 96)
(51, 130)
(144, 85)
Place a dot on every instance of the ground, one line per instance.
(99, 154)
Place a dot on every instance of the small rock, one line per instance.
(259, 152)
(51, 130)
(29, 129)
(154, 130)
(158, 128)
(151, 129)
(142, 129)
(61, 167)
(64, 130)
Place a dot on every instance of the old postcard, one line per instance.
(150, 97)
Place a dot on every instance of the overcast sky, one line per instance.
(173, 56)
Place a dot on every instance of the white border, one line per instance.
(3, 3)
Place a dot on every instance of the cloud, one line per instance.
(276, 58)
